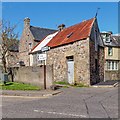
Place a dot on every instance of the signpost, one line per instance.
(46, 48)
(43, 57)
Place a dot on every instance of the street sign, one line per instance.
(42, 57)
(46, 48)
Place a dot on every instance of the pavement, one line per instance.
(71, 103)
(49, 92)
(108, 83)
(41, 93)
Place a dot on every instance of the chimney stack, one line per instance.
(61, 27)
(26, 22)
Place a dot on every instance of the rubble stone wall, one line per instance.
(80, 51)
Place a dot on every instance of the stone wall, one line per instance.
(101, 63)
(85, 56)
(96, 70)
(33, 75)
(93, 56)
(112, 75)
(96, 55)
(80, 51)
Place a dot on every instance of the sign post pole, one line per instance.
(44, 76)
(44, 57)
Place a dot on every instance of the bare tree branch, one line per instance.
(9, 39)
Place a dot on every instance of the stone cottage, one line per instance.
(31, 36)
(77, 53)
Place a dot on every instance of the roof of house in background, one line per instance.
(43, 42)
(114, 41)
(73, 33)
(40, 33)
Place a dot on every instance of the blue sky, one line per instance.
(51, 14)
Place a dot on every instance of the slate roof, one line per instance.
(114, 41)
(73, 33)
(40, 33)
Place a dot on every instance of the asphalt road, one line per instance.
(71, 103)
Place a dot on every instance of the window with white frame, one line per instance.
(112, 65)
(107, 38)
(110, 51)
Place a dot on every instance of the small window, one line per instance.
(108, 65)
(107, 38)
(70, 58)
(110, 51)
(112, 65)
(116, 65)
(30, 44)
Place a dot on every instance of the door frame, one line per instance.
(70, 58)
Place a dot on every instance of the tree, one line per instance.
(8, 39)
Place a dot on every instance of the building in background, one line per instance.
(31, 36)
(37, 55)
(112, 55)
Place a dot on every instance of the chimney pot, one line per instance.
(61, 27)
(27, 22)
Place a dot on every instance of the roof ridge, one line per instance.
(42, 28)
(79, 23)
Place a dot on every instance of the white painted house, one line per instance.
(38, 55)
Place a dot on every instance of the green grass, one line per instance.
(65, 83)
(61, 83)
(80, 85)
(18, 86)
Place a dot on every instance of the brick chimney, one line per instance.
(26, 22)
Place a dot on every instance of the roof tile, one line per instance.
(78, 32)
(40, 33)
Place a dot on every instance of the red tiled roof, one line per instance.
(76, 32)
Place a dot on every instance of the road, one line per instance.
(71, 103)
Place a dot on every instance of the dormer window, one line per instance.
(107, 40)
(106, 37)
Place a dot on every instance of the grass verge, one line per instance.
(18, 86)
(61, 83)
(67, 84)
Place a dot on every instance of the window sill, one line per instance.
(111, 70)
